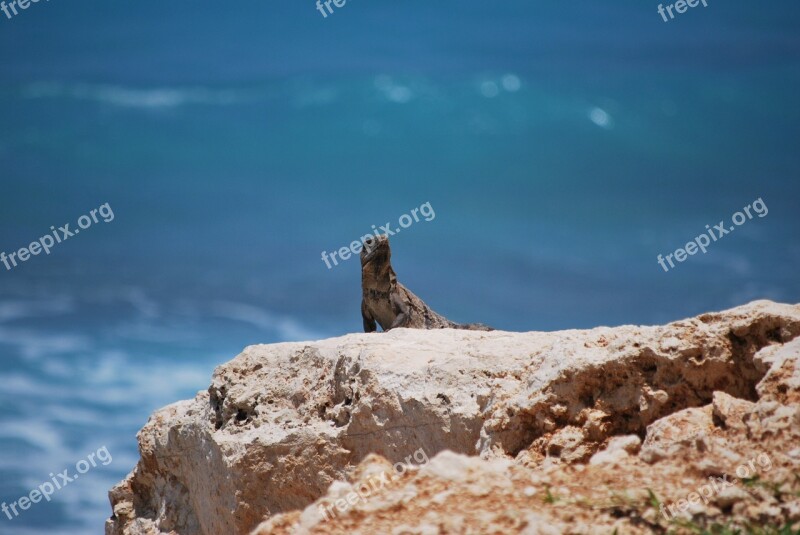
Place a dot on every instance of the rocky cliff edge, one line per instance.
(635, 429)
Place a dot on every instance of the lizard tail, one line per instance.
(473, 327)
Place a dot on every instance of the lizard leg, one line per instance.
(402, 310)
(369, 321)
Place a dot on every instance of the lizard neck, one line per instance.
(378, 276)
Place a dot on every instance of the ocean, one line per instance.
(562, 148)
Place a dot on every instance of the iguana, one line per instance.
(389, 303)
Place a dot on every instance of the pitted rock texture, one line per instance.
(569, 429)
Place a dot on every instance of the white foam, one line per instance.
(511, 83)
(16, 309)
(489, 89)
(36, 433)
(163, 97)
(393, 92)
(33, 344)
(287, 329)
(601, 118)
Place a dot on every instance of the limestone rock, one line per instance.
(619, 449)
(509, 422)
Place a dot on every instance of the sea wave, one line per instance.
(16, 309)
(128, 97)
(92, 378)
(286, 328)
(33, 344)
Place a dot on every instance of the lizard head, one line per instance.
(375, 248)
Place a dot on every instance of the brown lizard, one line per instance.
(389, 303)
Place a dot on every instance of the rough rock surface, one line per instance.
(573, 431)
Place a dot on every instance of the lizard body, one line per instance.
(390, 304)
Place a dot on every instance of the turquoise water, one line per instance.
(562, 150)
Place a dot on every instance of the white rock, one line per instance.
(280, 423)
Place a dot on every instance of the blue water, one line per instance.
(562, 148)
